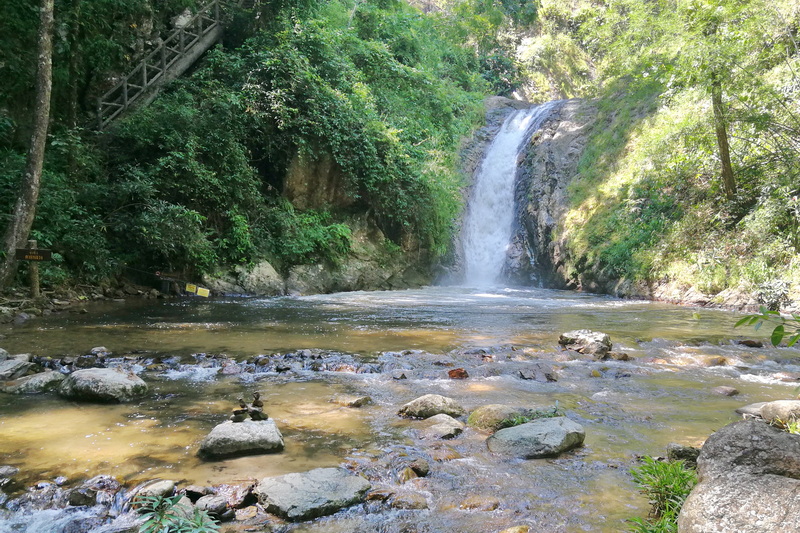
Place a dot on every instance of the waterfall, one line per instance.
(489, 220)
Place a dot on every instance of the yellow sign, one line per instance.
(203, 292)
(191, 288)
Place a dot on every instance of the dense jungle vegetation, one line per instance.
(389, 89)
(194, 179)
(651, 203)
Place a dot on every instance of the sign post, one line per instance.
(34, 255)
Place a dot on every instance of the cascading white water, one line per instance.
(490, 210)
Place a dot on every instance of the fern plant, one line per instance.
(164, 515)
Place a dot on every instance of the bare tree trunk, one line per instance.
(721, 127)
(25, 209)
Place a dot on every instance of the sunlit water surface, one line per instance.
(627, 408)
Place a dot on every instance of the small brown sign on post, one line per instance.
(32, 254)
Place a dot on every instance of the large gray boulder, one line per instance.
(749, 475)
(250, 437)
(587, 342)
(430, 405)
(13, 368)
(33, 384)
(307, 495)
(106, 385)
(545, 437)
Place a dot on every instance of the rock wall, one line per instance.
(315, 183)
(371, 265)
(536, 257)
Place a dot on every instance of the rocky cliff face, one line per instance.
(536, 256)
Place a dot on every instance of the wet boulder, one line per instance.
(13, 368)
(442, 426)
(106, 385)
(307, 495)
(587, 342)
(430, 405)
(749, 475)
(250, 437)
(33, 384)
(493, 416)
(545, 437)
(781, 411)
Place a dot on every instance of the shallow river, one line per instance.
(628, 408)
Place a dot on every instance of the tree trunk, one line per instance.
(25, 209)
(721, 127)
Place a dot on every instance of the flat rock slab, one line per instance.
(13, 368)
(251, 437)
(545, 437)
(307, 495)
(105, 385)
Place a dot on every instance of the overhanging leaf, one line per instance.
(777, 335)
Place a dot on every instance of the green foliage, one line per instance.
(165, 515)
(648, 204)
(785, 327)
(519, 419)
(666, 485)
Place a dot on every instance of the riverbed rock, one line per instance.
(490, 417)
(587, 342)
(545, 437)
(430, 405)
(749, 475)
(725, 391)
(751, 410)
(351, 400)
(319, 492)
(13, 368)
(106, 385)
(540, 372)
(250, 437)
(409, 500)
(158, 488)
(781, 411)
(3, 354)
(33, 384)
(214, 505)
(682, 452)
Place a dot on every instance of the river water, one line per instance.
(628, 408)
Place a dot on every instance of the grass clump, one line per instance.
(520, 419)
(666, 484)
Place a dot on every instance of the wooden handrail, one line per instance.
(152, 69)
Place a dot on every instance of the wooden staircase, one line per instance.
(172, 58)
